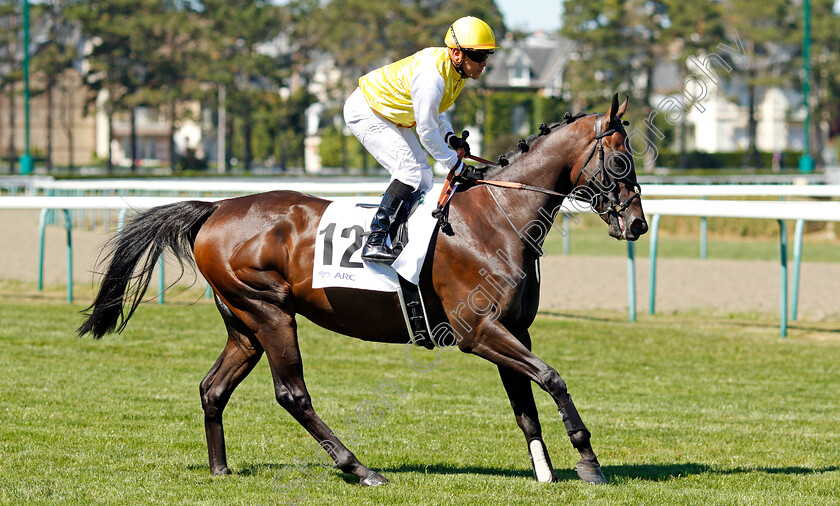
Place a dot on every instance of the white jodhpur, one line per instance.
(395, 148)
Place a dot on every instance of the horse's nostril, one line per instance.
(639, 226)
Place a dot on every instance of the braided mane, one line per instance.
(524, 145)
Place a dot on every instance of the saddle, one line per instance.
(337, 261)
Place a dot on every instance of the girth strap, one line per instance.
(415, 313)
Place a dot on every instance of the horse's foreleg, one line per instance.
(236, 361)
(497, 345)
(283, 354)
(521, 397)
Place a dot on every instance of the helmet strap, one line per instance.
(458, 66)
(458, 45)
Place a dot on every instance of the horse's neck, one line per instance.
(546, 165)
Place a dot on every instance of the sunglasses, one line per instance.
(477, 56)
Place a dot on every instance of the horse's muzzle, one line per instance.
(629, 225)
(638, 227)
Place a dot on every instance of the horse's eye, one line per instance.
(618, 165)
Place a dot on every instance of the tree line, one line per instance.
(621, 41)
(258, 56)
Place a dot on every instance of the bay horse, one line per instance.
(256, 252)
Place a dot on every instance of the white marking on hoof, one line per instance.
(538, 456)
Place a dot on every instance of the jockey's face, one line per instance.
(468, 65)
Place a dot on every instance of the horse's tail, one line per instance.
(141, 243)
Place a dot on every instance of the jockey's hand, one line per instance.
(459, 144)
(467, 173)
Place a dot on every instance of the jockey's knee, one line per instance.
(427, 180)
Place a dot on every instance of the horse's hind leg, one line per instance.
(497, 345)
(521, 397)
(238, 358)
(278, 334)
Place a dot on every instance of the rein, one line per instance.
(615, 205)
(520, 186)
(510, 184)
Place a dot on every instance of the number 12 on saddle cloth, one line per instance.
(338, 248)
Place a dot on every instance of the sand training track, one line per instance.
(570, 283)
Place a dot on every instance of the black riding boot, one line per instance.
(376, 249)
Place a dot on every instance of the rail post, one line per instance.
(631, 280)
(797, 260)
(784, 277)
(654, 234)
(68, 225)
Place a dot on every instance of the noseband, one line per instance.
(607, 180)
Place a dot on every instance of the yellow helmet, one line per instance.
(470, 33)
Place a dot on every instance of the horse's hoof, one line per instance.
(373, 479)
(221, 471)
(591, 473)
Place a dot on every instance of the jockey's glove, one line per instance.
(468, 173)
(456, 142)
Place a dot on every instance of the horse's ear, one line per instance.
(613, 109)
(623, 107)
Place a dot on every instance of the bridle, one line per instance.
(607, 180)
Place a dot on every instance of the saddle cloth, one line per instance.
(341, 235)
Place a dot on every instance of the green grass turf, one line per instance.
(683, 409)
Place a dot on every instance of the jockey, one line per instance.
(415, 92)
